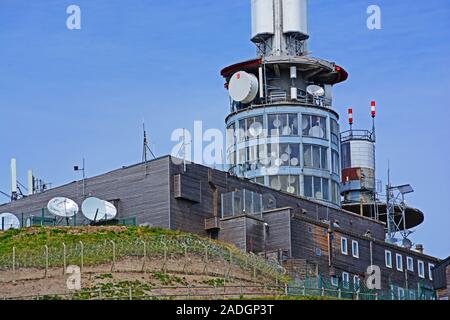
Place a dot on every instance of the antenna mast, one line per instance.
(145, 147)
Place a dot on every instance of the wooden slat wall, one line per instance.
(143, 191)
(279, 235)
(234, 231)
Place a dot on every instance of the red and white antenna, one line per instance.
(350, 117)
(373, 109)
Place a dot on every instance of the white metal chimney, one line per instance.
(13, 179)
(30, 183)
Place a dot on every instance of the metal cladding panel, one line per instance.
(262, 17)
(360, 155)
(295, 16)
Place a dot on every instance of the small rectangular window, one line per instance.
(334, 281)
(399, 262)
(388, 258)
(410, 264)
(421, 269)
(308, 186)
(355, 249)
(345, 280)
(430, 271)
(344, 248)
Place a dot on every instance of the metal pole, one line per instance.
(14, 264)
(113, 267)
(82, 253)
(46, 261)
(64, 258)
(145, 255)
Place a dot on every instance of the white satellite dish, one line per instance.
(62, 207)
(276, 123)
(287, 131)
(95, 209)
(278, 162)
(294, 162)
(256, 129)
(315, 91)
(9, 221)
(275, 184)
(265, 161)
(243, 87)
(317, 131)
(285, 157)
(305, 123)
(291, 190)
(292, 179)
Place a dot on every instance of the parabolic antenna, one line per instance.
(256, 129)
(9, 221)
(243, 87)
(285, 157)
(63, 207)
(407, 243)
(287, 131)
(276, 123)
(95, 209)
(315, 91)
(305, 123)
(291, 190)
(294, 162)
(275, 184)
(317, 131)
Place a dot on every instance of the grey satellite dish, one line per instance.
(285, 157)
(95, 209)
(276, 123)
(265, 161)
(315, 91)
(292, 179)
(305, 123)
(9, 221)
(294, 162)
(62, 207)
(278, 162)
(407, 243)
(243, 87)
(256, 129)
(275, 184)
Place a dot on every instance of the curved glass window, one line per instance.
(283, 124)
(317, 188)
(315, 157)
(251, 128)
(288, 183)
(284, 155)
(314, 126)
(335, 162)
(335, 132)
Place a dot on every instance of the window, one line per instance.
(356, 283)
(287, 184)
(412, 295)
(401, 293)
(345, 280)
(251, 128)
(421, 269)
(317, 187)
(335, 131)
(283, 124)
(410, 264)
(344, 249)
(355, 249)
(282, 155)
(399, 262)
(315, 157)
(335, 192)
(334, 281)
(314, 126)
(335, 162)
(430, 271)
(388, 258)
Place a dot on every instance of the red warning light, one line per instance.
(238, 76)
(350, 116)
(373, 110)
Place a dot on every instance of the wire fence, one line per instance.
(180, 254)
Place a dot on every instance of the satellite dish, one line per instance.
(305, 123)
(291, 190)
(407, 243)
(9, 221)
(319, 195)
(265, 161)
(62, 207)
(275, 184)
(256, 129)
(292, 179)
(285, 157)
(294, 162)
(278, 162)
(243, 87)
(315, 91)
(95, 209)
(287, 131)
(317, 131)
(276, 123)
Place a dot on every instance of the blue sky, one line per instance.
(68, 94)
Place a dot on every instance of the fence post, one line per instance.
(323, 292)
(42, 217)
(145, 256)
(164, 268)
(64, 258)
(339, 293)
(254, 273)
(185, 257)
(81, 256)
(357, 295)
(14, 264)
(230, 270)
(46, 261)
(205, 269)
(286, 289)
(376, 296)
(304, 290)
(113, 266)
(130, 293)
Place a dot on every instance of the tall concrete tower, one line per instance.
(282, 130)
